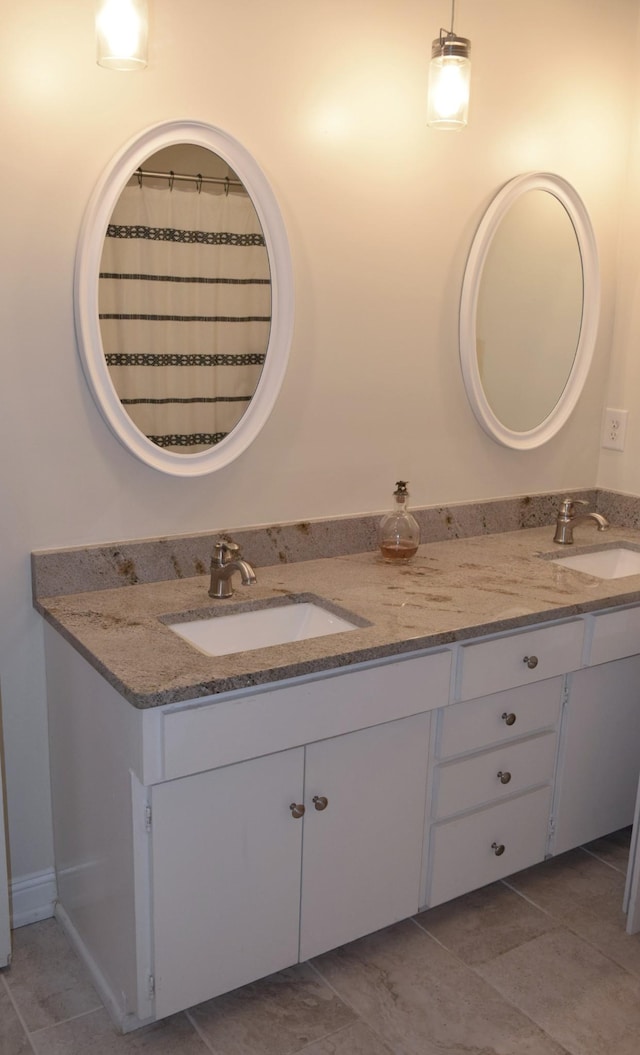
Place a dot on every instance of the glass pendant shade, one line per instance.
(449, 82)
(122, 30)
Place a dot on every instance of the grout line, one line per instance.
(331, 986)
(71, 1018)
(592, 853)
(344, 1000)
(196, 1028)
(530, 901)
(335, 1033)
(486, 981)
(18, 1015)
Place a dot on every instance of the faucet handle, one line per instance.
(224, 551)
(567, 504)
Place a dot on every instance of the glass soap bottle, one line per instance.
(398, 532)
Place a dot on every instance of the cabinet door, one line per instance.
(226, 854)
(600, 754)
(363, 850)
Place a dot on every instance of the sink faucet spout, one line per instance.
(568, 518)
(225, 562)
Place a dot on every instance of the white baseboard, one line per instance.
(32, 897)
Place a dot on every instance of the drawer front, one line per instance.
(494, 775)
(462, 851)
(499, 718)
(230, 730)
(615, 635)
(518, 659)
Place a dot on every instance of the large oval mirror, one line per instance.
(184, 297)
(529, 310)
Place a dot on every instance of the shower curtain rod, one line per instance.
(225, 181)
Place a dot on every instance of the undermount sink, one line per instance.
(611, 563)
(220, 635)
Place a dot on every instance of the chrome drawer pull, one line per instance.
(320, 802)
(297, 810)
(505, 777)
(498, 849)
(508, 718)
(531, 661)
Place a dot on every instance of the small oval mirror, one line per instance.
(184, 298)
(529, 310)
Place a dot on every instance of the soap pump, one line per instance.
(399, 532)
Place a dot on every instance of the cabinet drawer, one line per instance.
(471, 726)
(462, 851)
(615, 635)
(229, 730)
(518, 659)
(494, 775)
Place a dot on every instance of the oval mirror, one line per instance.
(529, 310)
(183, 297)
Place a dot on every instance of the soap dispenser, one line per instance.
(399, 532)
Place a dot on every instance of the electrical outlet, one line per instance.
(614, 428)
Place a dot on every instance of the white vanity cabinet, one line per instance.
(492, 783)
(599, 757)
(203, 845)
(200, 846)
(600, 749)
(263, 863)
(495, 758)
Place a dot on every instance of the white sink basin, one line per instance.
(219, 635)
(612, 563)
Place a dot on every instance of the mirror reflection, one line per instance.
(184, 298)
(529, 310)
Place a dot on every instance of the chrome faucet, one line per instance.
(225, 561)
(567, 519)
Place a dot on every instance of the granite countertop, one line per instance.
(452, 590)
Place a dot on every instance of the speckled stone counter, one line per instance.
(452, 590)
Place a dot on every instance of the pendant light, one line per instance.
(449, 77)
(121, 30)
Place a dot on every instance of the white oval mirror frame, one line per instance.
(87, 268)
(567, 399)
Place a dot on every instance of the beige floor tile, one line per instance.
(613, 849)
(93, 1034)
(578, 996)
(278, 1015)
(423, 1001)
(46, 979)
(485, 923)
(13, 1039)
(586, 896)
(352, 1040)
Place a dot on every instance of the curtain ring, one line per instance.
(139, 175)
(199, 183)
(226, 186)
(171, 178)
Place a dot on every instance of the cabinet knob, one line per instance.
(498, 849)
(297, 810)
(531, 661)
(508, 718)
(505, 777)
(320, 802)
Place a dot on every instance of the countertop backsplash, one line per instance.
(126, 563)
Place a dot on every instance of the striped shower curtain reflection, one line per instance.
(185, 308)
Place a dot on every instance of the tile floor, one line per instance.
(538, 965)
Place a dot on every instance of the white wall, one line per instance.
(330, 99)
(621, 470)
